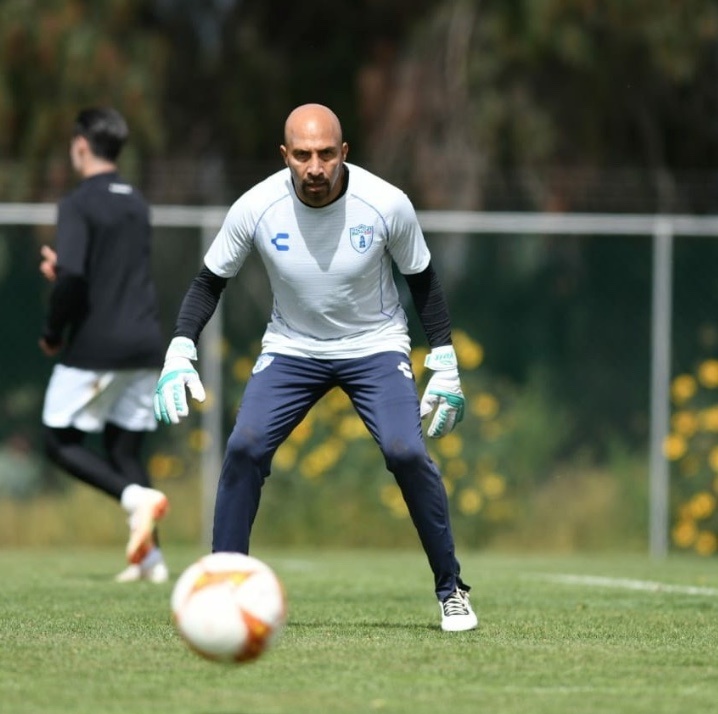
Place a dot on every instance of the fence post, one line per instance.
(659, 475)
(211, 421)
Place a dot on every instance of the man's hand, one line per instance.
(443, 394)
(49, 349)
(48, 264)
(177, 374)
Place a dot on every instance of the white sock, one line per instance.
(152, 558)
(131, 497)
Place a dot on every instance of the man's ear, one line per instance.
(81, 143)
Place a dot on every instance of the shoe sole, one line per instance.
(129, 576)
(141, 540)
(460, 627)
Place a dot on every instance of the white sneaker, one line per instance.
(153, 569)
(150, 507)
(456, 612)
(131, 574)
(157, 573)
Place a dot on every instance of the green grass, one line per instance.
(363, 637)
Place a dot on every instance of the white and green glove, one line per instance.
(443, 394)
(177, 375)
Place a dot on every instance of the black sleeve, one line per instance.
(199, 304)
(430, 302)
(68, 300)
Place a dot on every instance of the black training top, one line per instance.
(104, 303)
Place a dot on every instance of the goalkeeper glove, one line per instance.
(443, 392)
(170, 396)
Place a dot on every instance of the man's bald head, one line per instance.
(312, 119)
(314, 152)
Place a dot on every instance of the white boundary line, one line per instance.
(629, 584)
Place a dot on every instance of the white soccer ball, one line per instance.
(229, 607)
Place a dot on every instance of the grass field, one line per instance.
(618, 634)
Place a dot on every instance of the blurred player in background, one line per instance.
(328, 233)
(102, 323)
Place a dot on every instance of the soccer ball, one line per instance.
(228, 607)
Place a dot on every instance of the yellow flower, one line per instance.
(337, 400)
(708, 373)
(161, 466)
(685, 423)
(417, 357)
(310, 468)
(470, 501)
(485, 406)
(684, 534)
(450, 445)
(683, 388)
(674, 447)
(352, 427)
(303, 430)
(242, 369)
(285, 457)
(493, 485)
(469, 354)
(320, 460)
(705, 543)
(199, 440)
(708, 419)
(702, 505)
(448, 486)
(391, 497)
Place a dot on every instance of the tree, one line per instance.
(540, 85)
(59, 55)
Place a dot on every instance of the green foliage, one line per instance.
(545, 85)
(56, 57)
(453, 86)
(330, 485)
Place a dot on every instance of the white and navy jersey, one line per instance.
(330, 268)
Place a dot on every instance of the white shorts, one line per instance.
(87, 399)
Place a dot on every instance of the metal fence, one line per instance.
(661, 230)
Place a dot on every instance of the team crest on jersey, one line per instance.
(361, 237)
(263, 361)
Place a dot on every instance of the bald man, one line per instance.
(329, 234)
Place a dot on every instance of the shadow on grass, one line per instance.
(408, 627)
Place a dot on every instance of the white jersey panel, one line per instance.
(330, 268)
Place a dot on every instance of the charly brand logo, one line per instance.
(361, 237)
(263, 361)
(405, 369)
(121, 188)
(280, 237)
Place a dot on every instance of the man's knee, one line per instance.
(401, 456)
(248, 446)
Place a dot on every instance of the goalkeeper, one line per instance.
(328, 233)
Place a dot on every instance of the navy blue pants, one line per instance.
(383, 391)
